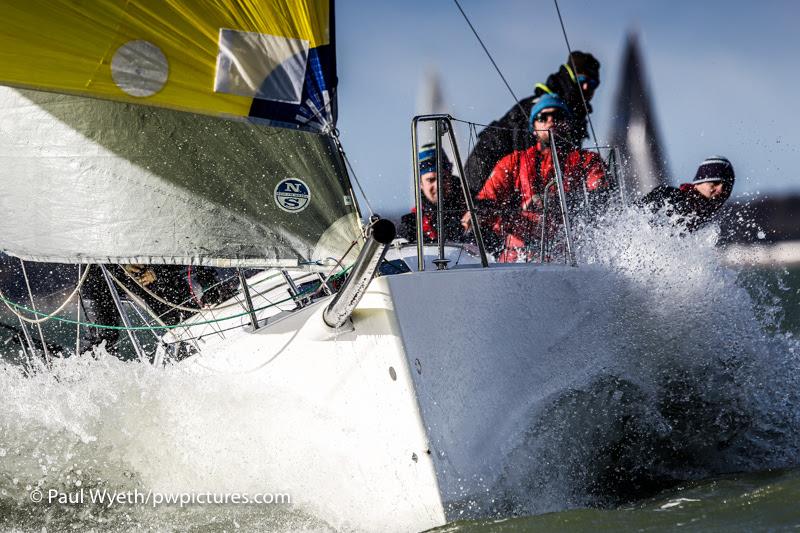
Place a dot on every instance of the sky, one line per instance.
(722, 78)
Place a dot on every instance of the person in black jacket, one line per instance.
(694, 204)
(511, 132)
(453, 201)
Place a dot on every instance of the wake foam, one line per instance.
(95, 422)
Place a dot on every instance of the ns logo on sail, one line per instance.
(292, 195)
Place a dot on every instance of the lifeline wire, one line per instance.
(217, 284)
(575, 71)
(471, 123)
(58, 310)
(138, 328)
(148, 327)
(490, 57)
(162, 300)
(135, 298)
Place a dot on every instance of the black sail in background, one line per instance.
(634, 129)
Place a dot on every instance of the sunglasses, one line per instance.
(593, 83)
(544, 115)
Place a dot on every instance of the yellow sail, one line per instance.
(207, 56)
(118, 145)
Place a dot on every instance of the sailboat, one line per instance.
(173, 133)
(634, 128)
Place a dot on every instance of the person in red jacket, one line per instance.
(515, 189)
(574, 82)
(452, 201)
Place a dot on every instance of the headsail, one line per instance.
(171, 132)
(634, 128)
(271, 59)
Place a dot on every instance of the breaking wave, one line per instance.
(702, 381)
(93, 422)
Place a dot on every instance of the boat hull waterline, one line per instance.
(404, 424)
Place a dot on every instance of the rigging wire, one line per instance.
(58, 309)
(490, 57)
(516, 100)
(33, 305)
(78, 327)
(355, 178)
(575, 70)
(330, 129)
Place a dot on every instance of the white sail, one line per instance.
(431, 100)
(89, 180)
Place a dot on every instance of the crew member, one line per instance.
(515, 189)
(580, 74)
(692, 205)
(453, 201)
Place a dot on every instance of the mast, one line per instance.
(431, 101)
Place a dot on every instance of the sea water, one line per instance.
(695, 422)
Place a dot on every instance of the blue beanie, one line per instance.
(547, 101)
(427, 159)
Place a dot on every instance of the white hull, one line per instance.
(404, 420)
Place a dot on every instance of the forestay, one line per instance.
(171, 132)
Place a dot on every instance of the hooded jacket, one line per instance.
(691, 209)
(512, 132)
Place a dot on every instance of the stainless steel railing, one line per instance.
(443, 125)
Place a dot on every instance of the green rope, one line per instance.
(167, 327)
(138, 328)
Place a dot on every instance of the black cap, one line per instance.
(715, 168)
(584, 63)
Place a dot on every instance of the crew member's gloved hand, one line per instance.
(145, 276)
